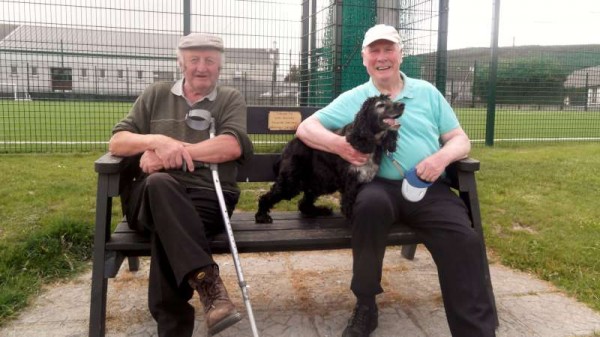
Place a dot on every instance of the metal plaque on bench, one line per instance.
(284, 120)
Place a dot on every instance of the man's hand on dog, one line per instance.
(348, 153)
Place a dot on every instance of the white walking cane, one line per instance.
(232, 245)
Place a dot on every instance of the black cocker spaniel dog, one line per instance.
(314, 172)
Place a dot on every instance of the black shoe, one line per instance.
(362, 322)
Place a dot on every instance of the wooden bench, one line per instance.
(288, 232)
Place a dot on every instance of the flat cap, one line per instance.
(200, 40)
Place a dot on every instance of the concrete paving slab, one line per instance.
(306, 294)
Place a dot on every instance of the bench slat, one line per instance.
(244, 221)
(290, 231)
(286, 215)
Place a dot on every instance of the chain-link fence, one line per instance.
(69, 70)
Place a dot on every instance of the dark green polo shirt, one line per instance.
(161, 109)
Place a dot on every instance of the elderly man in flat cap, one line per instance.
(168, 128)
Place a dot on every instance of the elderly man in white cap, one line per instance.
(430, 139)
(167, 127)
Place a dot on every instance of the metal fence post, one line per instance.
(587, 91)
(304, 72)
(187, 21)
(442, 48)
(491, 103)
(337, 49)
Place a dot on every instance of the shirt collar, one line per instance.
(177, 89)
(407, 90)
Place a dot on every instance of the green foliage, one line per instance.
(577, 96)
(293, 75)
(524, 81)
(569, 58)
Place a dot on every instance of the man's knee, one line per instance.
(474, 242)
(372, 207)
(159, 180)
(467, 241)
(371, 202)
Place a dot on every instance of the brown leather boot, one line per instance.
(219, 311)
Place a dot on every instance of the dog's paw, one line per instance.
(263, 218)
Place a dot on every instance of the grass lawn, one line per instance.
(512, 125)
(40, 126)
(539, 209)
(541, 214)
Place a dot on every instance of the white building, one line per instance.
(45, 60)
(586, 78)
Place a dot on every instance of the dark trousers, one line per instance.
(179, 221)
(441, 220)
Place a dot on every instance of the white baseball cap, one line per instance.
(413, 188)
(382, 32)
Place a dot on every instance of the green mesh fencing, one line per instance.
(543, 93)
(70, 70)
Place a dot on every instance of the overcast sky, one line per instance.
(522, 22)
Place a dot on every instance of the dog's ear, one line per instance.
(361, 140)
(361, 136)
(390, 141)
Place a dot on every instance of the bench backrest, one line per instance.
(269, 121)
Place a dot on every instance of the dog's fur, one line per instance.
(315, 172)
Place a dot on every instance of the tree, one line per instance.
(524, 81)
(293, 75)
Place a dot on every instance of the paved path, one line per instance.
(305, 294)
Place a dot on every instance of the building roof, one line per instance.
(6, 29)
(107, 42)
(580, 78)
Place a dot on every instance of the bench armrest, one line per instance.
(108, 163)
(461, 174)
(467, 165)
(462, 178)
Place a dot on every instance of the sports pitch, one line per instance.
(41, 126)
